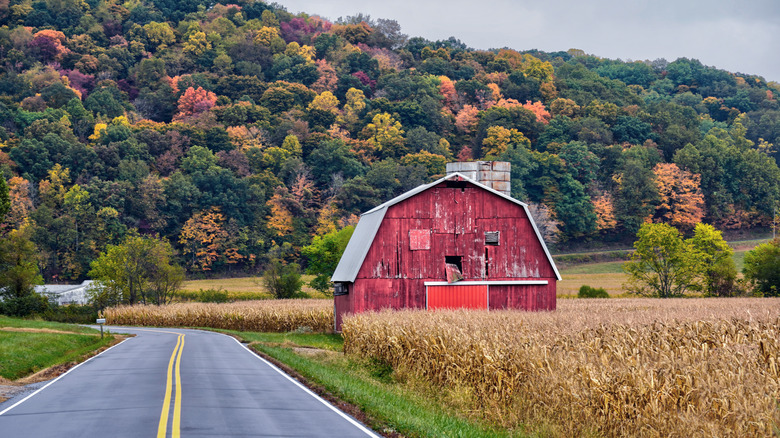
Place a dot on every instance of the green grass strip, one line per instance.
(27, 353)
(6, 321)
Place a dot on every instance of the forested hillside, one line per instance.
(238, 132)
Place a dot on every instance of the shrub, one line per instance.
(33, 303)
(762, 268)
(283, 281)
(213, 296)
(71, 314)
(592, 292)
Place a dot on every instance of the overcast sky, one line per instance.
(738, 36)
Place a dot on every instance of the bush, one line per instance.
(213, 296)
(72, 314)
(592, 292)
(283, 281)
(27, 305)
(762, 268)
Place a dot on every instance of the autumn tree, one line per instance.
(605, 212)
(435, 164)
(467, 119)
(5, 200)
(541, 113)
(499, 139)
(447, 90)
(354, 106)
(386, 135)
(194, 101)
(280, 221)
(327, 79)
(681, 202)
(204, 239)
(158, 35)
(325, 101)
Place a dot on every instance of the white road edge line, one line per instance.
(354, 422)
(58, 378)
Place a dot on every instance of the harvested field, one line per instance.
(629, 367)
(261, 316)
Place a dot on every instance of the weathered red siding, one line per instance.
(527, 297)
(397, 264)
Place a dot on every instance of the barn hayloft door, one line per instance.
(457, 297)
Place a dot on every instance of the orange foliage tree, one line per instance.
(281, 220)
(328, 78)
(205, 240)
(194, 101)
(21, 203)
(541, 113)
(466, 120)
(447, 90)
(605, 212)
(681, 200)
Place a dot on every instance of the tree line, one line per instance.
(240, 133)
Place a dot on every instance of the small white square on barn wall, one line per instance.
(419, 239)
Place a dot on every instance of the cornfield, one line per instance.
(629, 367)
(261, 316)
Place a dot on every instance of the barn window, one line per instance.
(492, 237)
(454, 260)
(453, 268)
(419, 239)
(340, 289)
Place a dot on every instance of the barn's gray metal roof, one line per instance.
(366, 229)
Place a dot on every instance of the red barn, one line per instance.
(411, 252)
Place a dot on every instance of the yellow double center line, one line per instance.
(175, 362)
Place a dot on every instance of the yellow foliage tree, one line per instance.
(203, 237)
(499, 138)
(605, 212)
(325, 101)
(434, 163)
(681, 200)
(356, 102)
(308, 52)
(281, 220)
(385, 134)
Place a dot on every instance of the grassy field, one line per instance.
(610, 275)
(238, 289)
(31, 346)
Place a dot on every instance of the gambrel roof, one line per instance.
(366, 229)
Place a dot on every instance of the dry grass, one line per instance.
(239, 289)
(261, 316)
(247, 285)
(571, 283)
(629, 367)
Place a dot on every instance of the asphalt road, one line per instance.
(171, 383)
